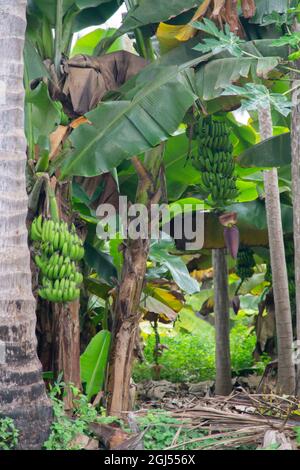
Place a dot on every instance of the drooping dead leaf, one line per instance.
(79, 121)
(167, 36)
(154, 309)
(88, 78)
(219, 10)
(171, 298)
(202, 274)
(56, 139)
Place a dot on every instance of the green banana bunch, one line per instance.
(245, 263)
(215, 161)
(58, 251)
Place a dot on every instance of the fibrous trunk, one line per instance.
(22, 391)
(286, 369)
(58, 324)
(222, 327)
(126, 309)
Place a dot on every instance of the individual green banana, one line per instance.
(34, 233)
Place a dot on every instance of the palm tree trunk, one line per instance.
(295, 150)
(126, 309)
(286, 369)
(22, 391)
(221, 311)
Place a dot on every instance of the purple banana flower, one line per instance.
(232, 240)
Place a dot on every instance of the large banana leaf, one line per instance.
(121, 129)
(155, 11)
(93, 363)
(273, 152)
(101, 262)
(89, 12)
(252, 224)
(260, 58)
(152, 105)
(213, 77)
(34, 67)
(86, 44)
(96, 15)
(48, 8)
(44, 113)
(253, 215)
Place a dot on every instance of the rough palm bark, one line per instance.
(126, 310)
(222, 326)
(295, 150)
(286, 370)
(22, 391)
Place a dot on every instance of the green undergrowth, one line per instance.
(161, 429)
(191, 357)
(65, 428)
(9, 434)
(164, 431)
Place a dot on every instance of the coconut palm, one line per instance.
(286, 369)
(22, 391)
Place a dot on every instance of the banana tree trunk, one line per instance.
(66, 325)
(222, 326)
(286, 370)
(126, 309)
(22, 391)
(295, 150)
(58, 324)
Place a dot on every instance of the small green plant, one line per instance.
(65, 428)
(9, 434)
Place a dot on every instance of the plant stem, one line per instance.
(53, 207)
(143, 43)
(58, 35)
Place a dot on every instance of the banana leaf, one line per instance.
(213, 77)
(155, 12)
(273, 152)
(93, 363)
(121, 129)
